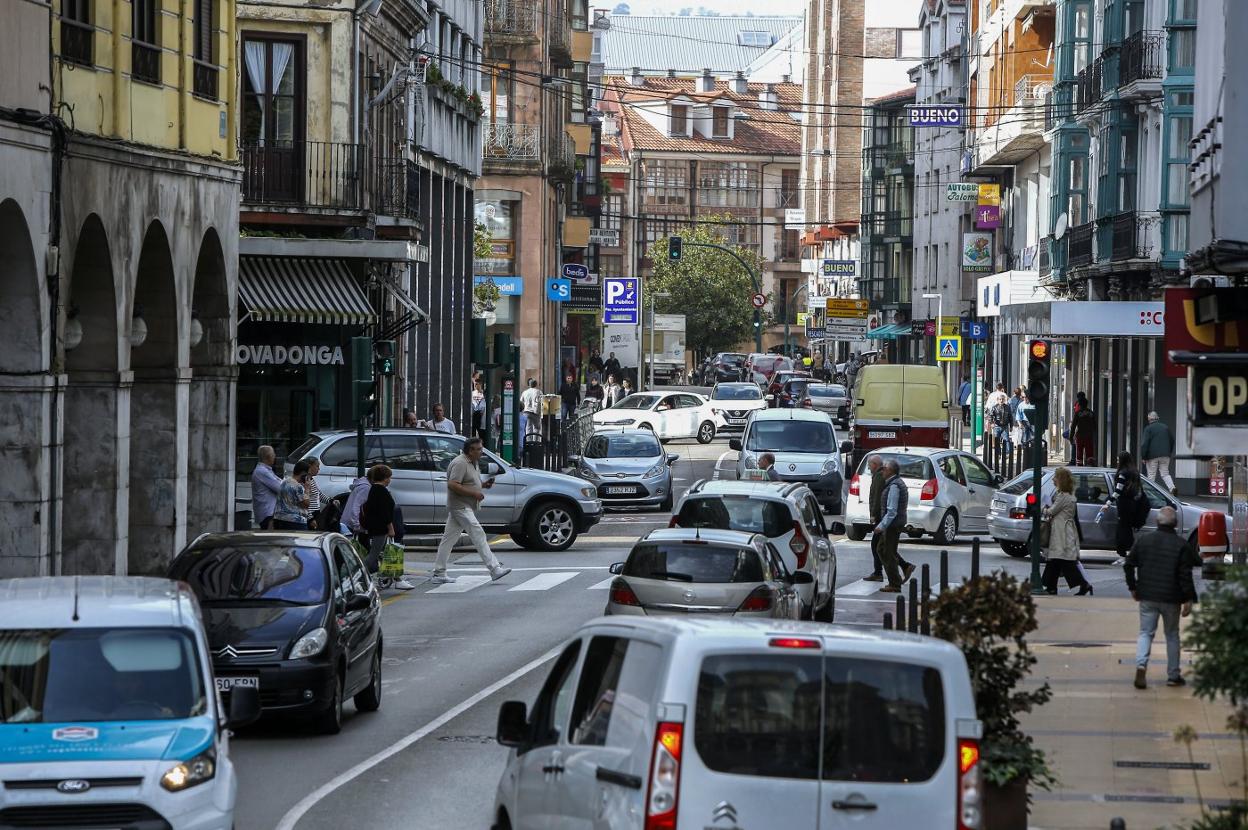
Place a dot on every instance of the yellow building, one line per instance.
(119, 189)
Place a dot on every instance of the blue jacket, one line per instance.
(964, 393)
(265, 487)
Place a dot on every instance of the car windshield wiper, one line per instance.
(679, 577)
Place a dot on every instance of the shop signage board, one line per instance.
(977, 251)
(293, 355)
(977, 331)
(937, 116)
(586, 299)
(574, 271)
(950, 326)
(507, 286)
(621, 300)
(1184, 334)
(558, 290)
(990, 194)
(949, 349)
(1219, 396)
(794, 217)
(987, 217)
(962, 192)
(509, 409)
(604, 236)
(838, 268)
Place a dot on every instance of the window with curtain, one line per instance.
(271, 108)
(1082, 36)
(77, 33)
(497, 85)
(144, 41)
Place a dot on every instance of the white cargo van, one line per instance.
(670, 722)
(108, 712)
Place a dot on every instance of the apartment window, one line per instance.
(744, 235)
(77, 33)
(497, 86)
(204, 81)
(611, 265)
(652, 230)
(789, 195)
(665, 182)
(1082, 36)
(1128, 160)
(680, 119)
(728, 184)
(612, 212)
(272, 92)
(719, 122)
(1132, 17)
(1078, 199)
(791, 245)
(1182, 26)
(144, 42)
(910, 43)
(1178, 154)
(788, 309)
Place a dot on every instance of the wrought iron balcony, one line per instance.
(1027, 90)
(320, 176)
(1132, 237)
(510, 142)
(1088, 85)
(559, 33)
(1143, 57)
(561, 156)
(145, 62)
(1080, 242)
(511, 18)
(1045, 257)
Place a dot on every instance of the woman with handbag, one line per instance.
(1061, 526)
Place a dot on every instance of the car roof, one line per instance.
(606, 429)
(701, 534)
(326, 434)
(98, 602)
(792, 415)
(277, 538)
(924, 451)
(779, 490)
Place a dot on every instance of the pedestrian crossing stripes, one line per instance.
(544, 582)
(462, 584)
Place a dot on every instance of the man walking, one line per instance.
(1156, 447)
(964, 400)
(851, 371)
(570, 392)
(1159, 576)
(530, 410)
(464, 492)
(875, 506)
(265, 488)
(612, 366)
(767, 466)
(895, 497)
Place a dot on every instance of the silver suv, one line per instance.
(540, 510)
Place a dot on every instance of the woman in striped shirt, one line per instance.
(314, 493)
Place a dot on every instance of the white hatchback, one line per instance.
(707, 722)
(666, 414)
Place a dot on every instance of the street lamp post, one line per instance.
(940, 307)
(800, 289)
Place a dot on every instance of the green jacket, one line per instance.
(1156, 441)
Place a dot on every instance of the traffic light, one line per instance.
(362, 398)
(384, 351)
(674, 246)
(1039, 358)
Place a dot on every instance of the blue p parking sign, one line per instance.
(621, 300)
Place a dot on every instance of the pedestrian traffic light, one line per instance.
(1039, 359)
(674, 246)
(384, 352)
(361, 377)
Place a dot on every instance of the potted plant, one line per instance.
(989, 618)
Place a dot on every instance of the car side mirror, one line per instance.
(358, 602)
(847, 446)
(244, 707)
(616, 568)
(672, 458)
(513, 724)
(998, 479)
(801, 578)
(734, 444)
(836, 528)
(573, 458)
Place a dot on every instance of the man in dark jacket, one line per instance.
(875, 503)
(894, 500)
(570, 392)
(1159, 576)
(1156, 447)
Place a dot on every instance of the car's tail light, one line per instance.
(760, 599)
(930, 489)
(1018, 513)
(799, 544)
(969, 789)
(664, 794)
(807, 402)
(794, 642)
(853, 486)
(675, 522)
(621, 594)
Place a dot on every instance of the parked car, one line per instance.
(805, 446)
(899, 404)
(108, 716)
(732, 403)
(831, 398)
(950, 492)
(292, 615)
(691, 723)
(541, 510)
(667, 414)
(1010, 524)
(788, 515)
(629, 467)
(705, 572)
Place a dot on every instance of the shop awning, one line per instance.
(890, 331)
(302, 290)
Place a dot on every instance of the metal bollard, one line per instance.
(975, 558)
(944, 570)
(925, 623)
(1118, 824)
(888, 620)
(913, 623)
(901, 612)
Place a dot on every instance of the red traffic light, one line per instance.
(1031, 499)
(1040, 349)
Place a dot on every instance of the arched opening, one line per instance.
(96, 434)
(210, 442)
(159, 398)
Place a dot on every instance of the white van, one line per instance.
(671, 722)
(108, 712)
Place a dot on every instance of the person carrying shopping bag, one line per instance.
(1064, 536)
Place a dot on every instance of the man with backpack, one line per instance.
(1131, 502)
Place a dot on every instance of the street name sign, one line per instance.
(604, 236)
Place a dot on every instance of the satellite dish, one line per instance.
(1059, 230)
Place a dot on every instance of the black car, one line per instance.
(292, 614)
(724, 367)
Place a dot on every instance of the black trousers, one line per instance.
(878, 566)
(1054, 569)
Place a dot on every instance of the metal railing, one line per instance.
(205, 77)
(304, 173)
(892, 223)
(510, 142)
(511, 17)
(77, 41)
(1081, 244)
(1026, 90)
(144, 62)
(1045, 257)
(561, 155)
(393, 191)
(559, 30)
(1143, 57)
(1088, 85)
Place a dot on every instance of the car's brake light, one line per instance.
(930, 489)
(799, 544)
(675, 522)
(969, 789)
(760, 599)
(664, 793)
(1018, 513)
(794, 642)
(621, 594)
(807, 402)
(853, 486)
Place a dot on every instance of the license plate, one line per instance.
(618, 491)
(224, 684)
(882, 434)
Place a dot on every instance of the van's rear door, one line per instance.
(751, 756)
(888, 757)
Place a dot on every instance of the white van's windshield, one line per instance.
(97, 674)
(791, 436)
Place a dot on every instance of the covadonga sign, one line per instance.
(290, 355)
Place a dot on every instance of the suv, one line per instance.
(805, 446)
(685, 722)
(787, 515)
(540, 510)
(725, 366)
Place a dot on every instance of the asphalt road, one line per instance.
(427, 759)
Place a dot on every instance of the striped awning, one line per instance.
(890, 331)
(302, 290)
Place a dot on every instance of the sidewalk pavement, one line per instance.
(1111, 745)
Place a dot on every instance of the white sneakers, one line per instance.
(441, 579)
(499, 572)
(404, 585)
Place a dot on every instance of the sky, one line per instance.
(773, 7)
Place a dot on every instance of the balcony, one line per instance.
(1088, 85)
(511, 20)
(1030, 89)
(1080, 243)
(1019, 131)
(1142, 59)
(204, 78)
(511, 143)
(1045, 258)
(788, 198)
(888, 225)
(561, 156)
(1132, 236)
(559, 34)
(322, 177)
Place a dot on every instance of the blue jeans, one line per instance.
(1150, 612)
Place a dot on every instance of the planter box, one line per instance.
(1005, 808)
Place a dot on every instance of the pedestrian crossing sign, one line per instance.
(949, 348)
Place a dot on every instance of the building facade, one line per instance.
(119, 192)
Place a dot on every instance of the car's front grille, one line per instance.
(124, 816)
(51, 783)
(735, 413)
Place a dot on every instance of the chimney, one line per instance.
(786, 79)
(634, 77)
(671, 73)
(739, 84)
(768, 100)
(707, 82)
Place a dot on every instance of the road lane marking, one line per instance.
(719, 462)
(606, 583)
(309, 801)
(461, 584)
(534, 568)
(860, 588)
(544, 582)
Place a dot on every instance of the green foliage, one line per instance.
(709, 287)
(989, 618)
(481, 241)
(1217, 634)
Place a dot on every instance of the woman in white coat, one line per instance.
(1064, 536)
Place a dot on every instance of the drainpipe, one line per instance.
(231, 92)
(118, 110)
(184, 77)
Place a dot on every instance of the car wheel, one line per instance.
(706, 433)
(369, 699)
(827, 612)
(856, 533)
(551, 526)
(947, 533)
(666, 506)
(329, 721)
(1018, 550)
(520, 539)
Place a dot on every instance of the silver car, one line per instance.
(830, 398)
(950, 492)
(629, 468)
(1010, 524)
(705, 572)
(540, 510)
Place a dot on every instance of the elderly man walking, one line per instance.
(266, 486)
(464, 492)
(1156, 448)
(895, 497)
(875, 506)
(1159, 576)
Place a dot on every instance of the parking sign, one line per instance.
(621, 300)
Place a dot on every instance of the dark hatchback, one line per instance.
(294, 615)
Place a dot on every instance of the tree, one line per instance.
(481, 248)
(709, 287)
